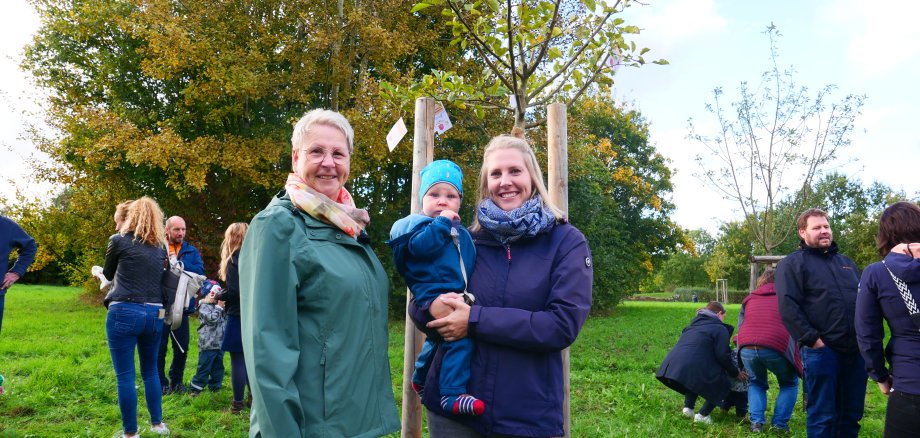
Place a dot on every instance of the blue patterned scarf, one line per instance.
(528, 220)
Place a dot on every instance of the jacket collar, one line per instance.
(282, 199)
(831, 250)
(767, 289)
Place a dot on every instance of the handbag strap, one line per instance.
(906, 296)
(455, 235)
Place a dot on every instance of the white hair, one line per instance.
(322, 117)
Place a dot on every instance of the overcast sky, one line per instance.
(862, 47)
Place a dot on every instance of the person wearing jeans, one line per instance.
(766, 346)
(816, 289)
(135, 259)
(757, 362)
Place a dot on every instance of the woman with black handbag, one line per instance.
(888, 291)
(135, 260)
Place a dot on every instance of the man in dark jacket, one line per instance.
(182, 252)
(816, 289)
(13, 236)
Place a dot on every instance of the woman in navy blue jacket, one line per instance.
(895, 368)
(532, 285)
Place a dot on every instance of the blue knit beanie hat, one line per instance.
(441, 171)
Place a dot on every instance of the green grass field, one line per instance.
(60, 381)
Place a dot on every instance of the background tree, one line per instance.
(535, 51)
(770, 146)
(618, 197)
(686, 265)
(193, 102)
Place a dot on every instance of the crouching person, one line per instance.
(701, 362)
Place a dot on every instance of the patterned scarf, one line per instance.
(342, 212)
(528, 220)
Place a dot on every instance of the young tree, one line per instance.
(771, 145)
(535, 51)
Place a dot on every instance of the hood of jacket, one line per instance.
(765, 290)
(903, 266)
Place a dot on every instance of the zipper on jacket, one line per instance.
(508, 249)
(322, 359)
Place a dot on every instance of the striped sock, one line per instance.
(463, 404)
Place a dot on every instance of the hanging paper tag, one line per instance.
(441, 120)
(397, 132)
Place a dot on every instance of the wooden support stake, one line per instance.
(423, 153)
(558, 180)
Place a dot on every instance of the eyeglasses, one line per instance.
(317, 156)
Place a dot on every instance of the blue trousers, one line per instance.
(210, 370)
(130, 325)
(455, 367)
(757, 363)
(836, 387)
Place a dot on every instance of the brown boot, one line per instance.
(236, 407)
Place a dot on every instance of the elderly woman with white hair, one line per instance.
(314, 294)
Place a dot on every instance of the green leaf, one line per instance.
(479, 111)
(591, 5)
(419, 7)
(554, 53)
(493, 5)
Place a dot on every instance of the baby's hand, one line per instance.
(450, 215)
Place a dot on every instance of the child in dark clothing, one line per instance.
(738, 397)
(434, 253)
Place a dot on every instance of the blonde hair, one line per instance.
(145, 220)
(121, 210)
(233, 241)
(516, 141)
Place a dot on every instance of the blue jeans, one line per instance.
(757, 363)
(836, 387)
(130, 325)
(210, 364)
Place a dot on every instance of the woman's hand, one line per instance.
(440, 309)
(911, 249)
(453, 326)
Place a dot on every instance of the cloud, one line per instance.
(679, 20)
(882, 35)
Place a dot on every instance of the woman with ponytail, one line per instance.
(135, 259)
(532, 287)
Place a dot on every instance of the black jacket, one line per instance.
(136, 269)
(816, 289)
(701, 362)
(231, 292)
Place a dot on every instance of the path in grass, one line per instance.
(60, 381)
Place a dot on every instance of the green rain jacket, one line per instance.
(314, 322)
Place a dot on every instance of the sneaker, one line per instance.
(688, 412)
(177, 389)
(236, 407)
(167, 390)
(194, 392)
(702, 419)
(757, 427)
(160, 429)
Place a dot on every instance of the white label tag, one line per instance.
(397, 132)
